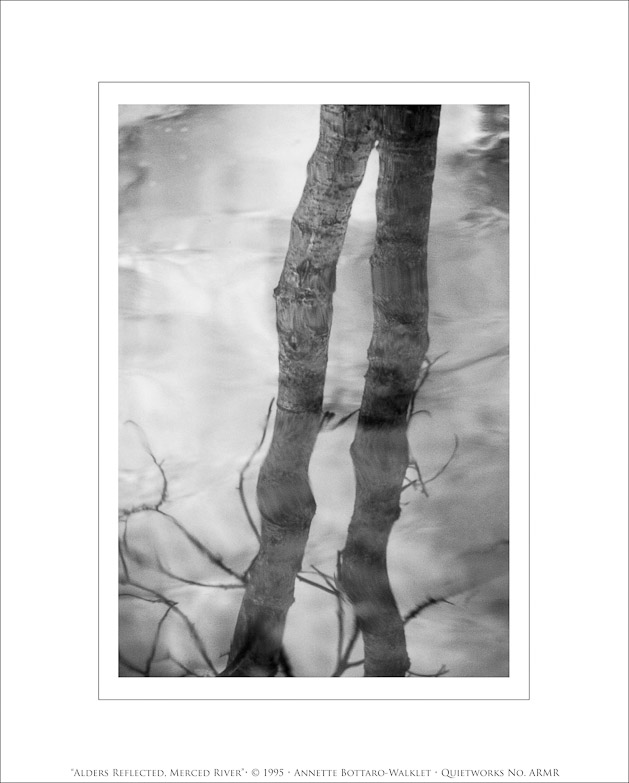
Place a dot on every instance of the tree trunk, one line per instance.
(304, 294)
(304, 316)
(408, 144)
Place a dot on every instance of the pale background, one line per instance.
(53, 54)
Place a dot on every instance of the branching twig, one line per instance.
(315, 584)
(329, 580)
(215, 559)
(158, 465)
(411, 405)
(422, 482)
(419, 480)
(189, 624)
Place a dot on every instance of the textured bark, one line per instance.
(304, 294)
(408, 143)
(287, 506)
(304, 316)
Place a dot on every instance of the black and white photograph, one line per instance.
(314, 390)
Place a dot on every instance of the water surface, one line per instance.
(206, 198)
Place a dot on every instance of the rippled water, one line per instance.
(206, 198)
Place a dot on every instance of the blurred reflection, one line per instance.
(398, 348)
(304, 316)
(287, 507)
(206, 194)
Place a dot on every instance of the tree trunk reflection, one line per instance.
(398, 347)
(408, 139)
(304, 318)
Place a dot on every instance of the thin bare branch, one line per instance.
(343, 663)
(422, 482)
(329, 580)
(342, 421)
(151, 658)
(125, 568)
(126, 662)
(422, 380)
(158, 465)
(215, 559)
(316, 584)
(340, 619)
(429, 365)
(167, 572)
(415, 465)
(422, 606)
(442, 670)
(189, 624)
(182, 666)
(440, 471)
(141, 598)
(241, 480)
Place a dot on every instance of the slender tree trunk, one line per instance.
(408, 143)
(304, 316)
(304, 294)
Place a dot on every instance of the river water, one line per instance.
(206, 198)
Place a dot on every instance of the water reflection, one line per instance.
(203, 236)
(397, 351)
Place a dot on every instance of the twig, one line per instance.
(215, 559)
(189, 624)
(440, 471)
(158, 465)
(429, 365)
(422, 410)
(414, 464)
(411, 405)
(329, 580)
(440, 673)
(126, 662)
(183, 666)
(340, 618)
(151, 657)
(124, 562)
(241, 480)
(353, 664)
(315, 584)
(141, 598)
(342, 421)
(422, 606)
(231, 586)
(343, 663)
(423, 482)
